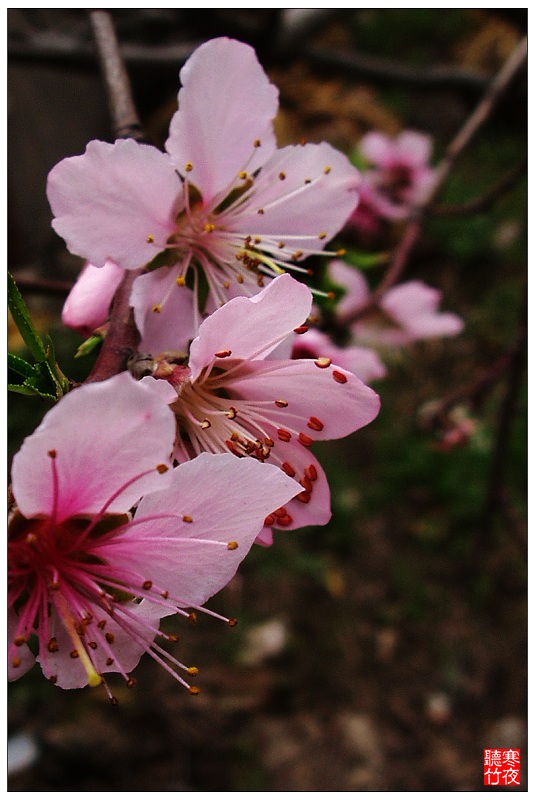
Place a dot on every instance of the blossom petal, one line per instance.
(361, 361)
(88, 303)
(97, 439)
(314, 198)
(312, 506)
(414, 306)
(223, 499)
(377, 148)
(69, 673)
(252, 327)
(353, 282)
(163, 311)
(20, 655)
(116, 201)
(226, 103)
(320, 403)
(413, 148)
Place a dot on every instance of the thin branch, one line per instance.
(122, 338)
(360, 65)
(123, 112)
(515, 63)
(43, 286)
(474, 393)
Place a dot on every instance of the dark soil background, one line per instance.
(386, 650)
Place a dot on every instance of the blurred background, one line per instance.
(386, 650)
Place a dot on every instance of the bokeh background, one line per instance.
(385, 650)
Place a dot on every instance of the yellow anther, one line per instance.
(187, 518)
(157, 309)
(243, 176)
(327, 170)
(162, 468)
(189, 166)
(209, 227)
(150, 238)
(180, 281)
(192, 671)
(232, 546)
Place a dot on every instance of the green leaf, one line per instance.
(22, 320)
(89, 345)
(45, 378)
(61, 383)
(365, 260)
(20, 366)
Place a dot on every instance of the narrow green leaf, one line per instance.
(25, 388)
(22, 320)
(20, 366)
(88, 346)
(365, 260)
(60, 381)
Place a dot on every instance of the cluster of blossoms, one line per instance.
(138, 496)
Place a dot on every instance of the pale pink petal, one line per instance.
(252, 327)
(353, 282)
(377, 148)
(88, 303)
(414, 305)
(20, 655)
(117, 201)
(432, 325)
(413, 149)
(301, 192)
(227, 500)
(226, 103)
(69, 673)
(163, 311)
(361, 361)
(322, 403)
(310, 507)
(423, 182)
(103, 435)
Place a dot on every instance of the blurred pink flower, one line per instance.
(223, 202)
(361, 361)
(90, 581)
(398, 179)
(235, 396)
(406, 313)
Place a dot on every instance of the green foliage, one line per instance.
(44, 378)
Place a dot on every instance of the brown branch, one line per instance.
(361, 65)
(475, 392)
(43, 286)
(123, 112)
(481, 113)
(122, 338)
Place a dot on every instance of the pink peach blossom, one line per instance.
(235, 396)
(89, 579)
(399, 177)
(222, 206)
(406, 313)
